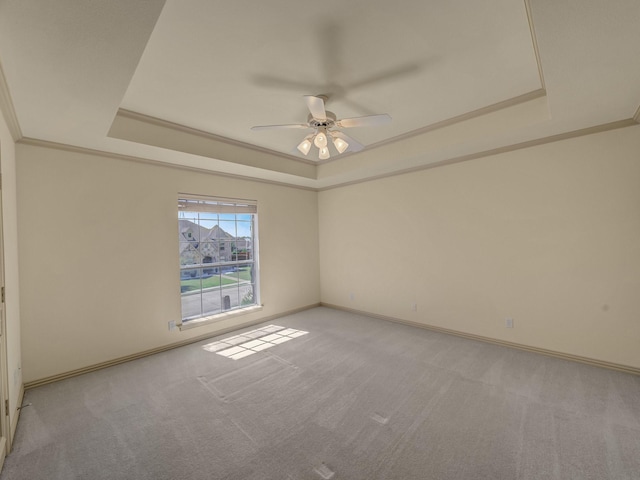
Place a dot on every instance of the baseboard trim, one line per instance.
(164, 348)
(16, 417)
(504, 343)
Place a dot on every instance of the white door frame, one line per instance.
(5, 424)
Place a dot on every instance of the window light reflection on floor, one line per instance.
(248, 343)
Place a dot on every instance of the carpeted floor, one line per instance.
(354, 398)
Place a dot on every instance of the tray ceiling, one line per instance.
(182, 82)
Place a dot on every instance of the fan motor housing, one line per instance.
(328, 123)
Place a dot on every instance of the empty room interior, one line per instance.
(320, 240)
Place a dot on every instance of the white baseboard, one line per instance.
(542, 351)
(14, 422)
(171, 346)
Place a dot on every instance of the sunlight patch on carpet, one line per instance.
(248, 343)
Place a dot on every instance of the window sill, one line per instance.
(199, 322)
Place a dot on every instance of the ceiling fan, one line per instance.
(326, 126)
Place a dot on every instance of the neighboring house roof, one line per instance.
(218, 233)
(201, 234)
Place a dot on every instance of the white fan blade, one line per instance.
(368, 121)
(316, 107)
(354, 145)
(273, 127)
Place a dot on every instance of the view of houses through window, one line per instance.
(217, 245)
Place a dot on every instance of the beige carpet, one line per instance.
(354, 398)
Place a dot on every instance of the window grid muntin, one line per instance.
(230, 257)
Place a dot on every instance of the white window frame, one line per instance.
(220, 205)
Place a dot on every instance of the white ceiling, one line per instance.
(182, 81)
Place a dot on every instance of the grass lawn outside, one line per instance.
(243, 274)
(213, 281)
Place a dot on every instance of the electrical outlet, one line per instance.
(414, 307)
(508, 322)
(352, 297)
(172, 325)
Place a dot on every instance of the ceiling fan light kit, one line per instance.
(305, 145)
(340, 144)
(321, 139)
(325, 124)
(323, 153)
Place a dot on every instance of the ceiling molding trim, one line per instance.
(210, 136)
(510, 102)
(534, 41)
(7, 108)
(130, 158)
(495, 151)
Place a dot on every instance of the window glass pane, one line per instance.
(243, 248)
(226, 250)
(189, 255)
(191, 291)
(188, 216)
(189, 231)
(208, 225)
(230, 298)
(191, 306)
(247, 294)
(216, 233)
(245, 273)
(211, 294)
(190, 280)
(215, 242)
(208, 252)
(244, 229)
(228, 227)
(232, 274)
(208, 216)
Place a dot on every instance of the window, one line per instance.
(217, 248)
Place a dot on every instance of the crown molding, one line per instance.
(7, 108)
(534, 41)
(449, 161)
(541, 92)
(209, 136)
(510, 102)
(495, 151)
(118, 156)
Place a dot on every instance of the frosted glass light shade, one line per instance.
(340, 144)
(320, 140)
(305, 146)
(324, 153)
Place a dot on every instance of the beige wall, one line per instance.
(98, 255)
(549, 236)
(10, 260)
